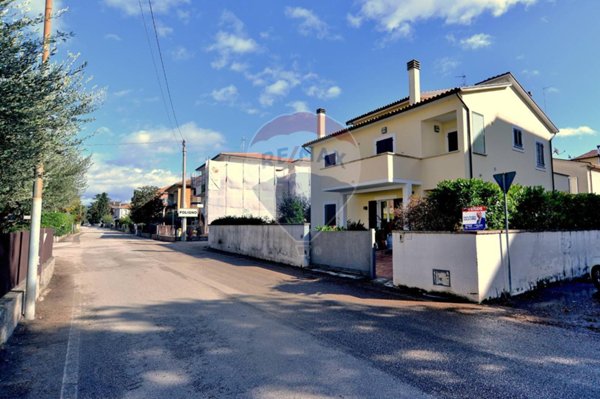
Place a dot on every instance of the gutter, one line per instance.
(552, 161)
(470, 145)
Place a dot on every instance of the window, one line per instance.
(384, 145)
(330, 215)
(539, 155)
(202, 189)
(478, 134)
(330, 159)
(452, 141)
(517, 138)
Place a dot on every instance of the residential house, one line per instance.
(238, 183)
(580, 174)
(173, 197)
(406, 148)
(119, 210)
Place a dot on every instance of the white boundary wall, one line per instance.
(344, 250)
(477, 262)
(287, 244)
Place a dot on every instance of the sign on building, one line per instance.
(474, 218)
(187, 212)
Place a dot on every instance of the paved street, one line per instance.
(126, 317)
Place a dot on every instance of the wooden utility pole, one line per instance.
(36, 208)
(183, 195)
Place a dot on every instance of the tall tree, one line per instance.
(42, 109)
(99, 208)
(146, 206)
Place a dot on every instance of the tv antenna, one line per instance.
(463, 78)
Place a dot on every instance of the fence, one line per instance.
(287, 244)
(475, 265)
(344, 250)
(14, 256)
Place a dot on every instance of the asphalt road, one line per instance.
(132, 318)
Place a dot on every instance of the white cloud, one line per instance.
(113, 36)
(324, 92)
(168, 139)
(184, 16)
(238, 66)
(231, 41)
(119, 181)
(446, 65)
(36, 8)
(180, 53)
(132, 7)
(530, 72)
(577, 131)
(280, 88)
(310, 23)
(298, 106)
(163, 30)
(122, 93)
(226, 94)
(354, 21)
(477, 41)
(397, 18)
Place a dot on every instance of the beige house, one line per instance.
(578, 175)
(407, 147)
(240, 183)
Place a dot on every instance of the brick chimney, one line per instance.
(414, 81)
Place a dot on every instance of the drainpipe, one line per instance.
(468, 135)
(552, 161)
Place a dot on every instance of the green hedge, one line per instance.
(62, 223)
(529, 208)
(240, 220)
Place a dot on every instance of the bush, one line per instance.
(355, 226)
(107, 220)
(241, 221)
(330, 228)
(62, 223)
(293, 210)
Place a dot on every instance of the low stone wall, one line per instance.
(287, 244)
(475, 265)
(11, 304)
(344, 250)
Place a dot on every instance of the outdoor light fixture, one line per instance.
(384, 130)
(436, 128)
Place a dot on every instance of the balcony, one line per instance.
(378, 171)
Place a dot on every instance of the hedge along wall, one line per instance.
(289, 244)
(475, 265)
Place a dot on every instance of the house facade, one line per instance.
(406, 148)
(119, 210)
(237, 184)
(580, 174)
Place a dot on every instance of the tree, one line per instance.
(146, 206)
(42, 108)
(99, 208)
(293, 210)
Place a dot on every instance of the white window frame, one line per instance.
(385, 137)
(537, 165)
(474, 139)
(336, 159)
(514, 144)
(448, 142)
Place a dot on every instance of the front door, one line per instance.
(373, 214)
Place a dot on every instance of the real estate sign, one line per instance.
(474, 218)
(187, 212)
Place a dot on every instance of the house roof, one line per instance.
(253, 155)
(503, 80)
(589, 154)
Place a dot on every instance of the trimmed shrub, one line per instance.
(240, 221)
(355, 226)
(62, 223)
(293, 210)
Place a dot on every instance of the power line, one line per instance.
(128, 143)
(162, 93)
(164, 70)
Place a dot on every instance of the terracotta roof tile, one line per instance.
(589, 154)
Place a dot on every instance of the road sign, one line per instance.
(504, 180)
(187, 212)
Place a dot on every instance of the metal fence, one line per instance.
(14, 256)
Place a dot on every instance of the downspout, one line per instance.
(552, 161)
(470, 145)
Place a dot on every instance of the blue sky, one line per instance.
(235, 65)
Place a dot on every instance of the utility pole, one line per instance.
(36, 208)
(183, 195)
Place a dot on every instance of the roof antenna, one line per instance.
(244, 144)
(463, 81)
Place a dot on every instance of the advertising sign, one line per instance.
(474, 218)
